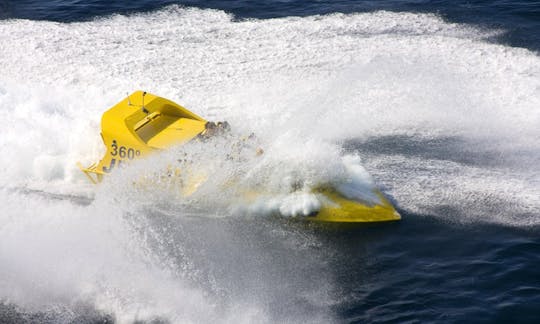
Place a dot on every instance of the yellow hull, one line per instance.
(144, 123)
(334, 207)
(339, 209)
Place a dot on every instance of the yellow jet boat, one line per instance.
(144, 123)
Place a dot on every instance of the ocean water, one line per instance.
(439, 101)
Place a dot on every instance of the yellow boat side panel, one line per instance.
(336, 208)
(342, 210)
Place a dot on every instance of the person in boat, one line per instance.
(212, 129)
(209, 131)
(223, 128)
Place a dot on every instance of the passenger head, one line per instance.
(219, 128)
(223, 127)
(210, 129)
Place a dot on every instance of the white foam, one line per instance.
(56, 255)
(329, 77)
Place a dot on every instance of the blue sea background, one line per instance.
(421, 269)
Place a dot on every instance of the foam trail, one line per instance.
(379, 73)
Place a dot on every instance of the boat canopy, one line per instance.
(140, 124)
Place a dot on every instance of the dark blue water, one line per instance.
(421, 269)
